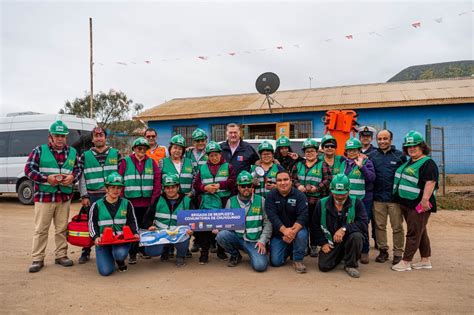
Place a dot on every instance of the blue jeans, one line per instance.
(279, 250)
(105, 257)
(232, 244)
(368, 204)
(157, 250)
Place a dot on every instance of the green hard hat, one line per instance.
(59, 128)
(178, 140)
(244, 178)
(170, 180)
(199, 134)
(309, 143)
(328, 138)
(340, 184)
(114, 179)
(283, 141)
(353, 143)
(265, 146)
(413, 138)
(140, 141)
(213, 146)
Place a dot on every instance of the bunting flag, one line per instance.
(147, 61)
(416, 24)
(438, 20)
(121, 63)
(279, 47)
(203, 57)
(349, 36)
(232, 53)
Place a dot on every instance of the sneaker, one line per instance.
(195, 247)
(396, 260)
(144, 256)
(122, 267)
(180, 262)
(85, 256)
(382, 257)
(36, 266)
(402, 266)
(64, 261)
(132, 259)
(422, 265)
(171, 252)
(234, 260)
(299, 267)
(213, 248)
(313, 251)
(222, 255)
(353, 272)
(204, 258)
(364, 258)
(165, 256)
(189, 254)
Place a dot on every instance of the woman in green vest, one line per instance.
(415, 185)
(361, 173)
(336, 162)
(198, 154)
(263, 184)
(177, 164)
(115, 212)
(162, 215)
(310, 178)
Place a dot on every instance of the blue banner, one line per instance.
(208, 220)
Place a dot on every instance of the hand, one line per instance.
(287, 240)
(269, 185)
(276, 161)
(326, 248)
(425, 205)
(189, 148)
(261, 248)
(256, 181)
(258, 163)
(52, 180)
(363, 156)
(211, 188)
(359, 161)
(293, 155)
(136, 235)
(215, 231)
(313, 189)
(152, 228)
(339, 235)
(190, 194)
(85, 202)
(302, 188)
(189, 232)
(97, 241)
(67, 180)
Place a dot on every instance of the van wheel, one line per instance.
(26, 192)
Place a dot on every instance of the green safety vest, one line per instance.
(270, 176)
(185, 177)
(164, 218)
(138, 185)
(406, 179)
(314, 176)
(48, 165)
(253, 218)
(350, 216)
(213, 201)
(357, 181)
(94, 173)
(196, 163)
(106, 220)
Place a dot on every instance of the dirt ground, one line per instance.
(152, 286)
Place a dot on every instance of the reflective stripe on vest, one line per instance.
(350, 217)
(197, 163)
(94, 173)
(269, 176)
(357, 181)
(48, 165)
(313, 176)
(185, 177)
(221, 176)
(164, 218)
(406, 179)
(106, 220)
(138, 185)
(253, 218)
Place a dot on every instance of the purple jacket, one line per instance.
(368, 171)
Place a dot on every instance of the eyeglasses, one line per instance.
(330, 146)
(150, 136)
(140, 149)
(246, 186)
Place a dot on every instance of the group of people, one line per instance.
(319, 204)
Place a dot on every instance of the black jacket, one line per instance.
(286, 210)
(149, 216)
(385, 166)
(359, 224)
(242, 159)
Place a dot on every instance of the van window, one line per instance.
(3, 144)
(22, 142)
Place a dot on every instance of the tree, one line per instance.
(108, 109)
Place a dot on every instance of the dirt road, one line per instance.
(152, 286)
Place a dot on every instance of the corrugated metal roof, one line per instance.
(394, 94)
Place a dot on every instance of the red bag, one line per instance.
(78, 230)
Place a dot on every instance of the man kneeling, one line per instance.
(257, 231)
(340, 224)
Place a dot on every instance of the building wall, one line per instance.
(456, 119)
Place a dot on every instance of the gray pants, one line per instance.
(381, 211)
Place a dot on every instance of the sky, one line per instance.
(150, 50)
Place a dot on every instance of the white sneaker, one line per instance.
(422, 265)
(402, 266)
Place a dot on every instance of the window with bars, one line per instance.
(218, 132)
(186, 132)
(301, 129)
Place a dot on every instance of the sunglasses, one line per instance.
(140, 149)
(150, 136)
(246, 186)
(330, 146)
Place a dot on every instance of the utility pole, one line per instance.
(310, 78)
(91, 64)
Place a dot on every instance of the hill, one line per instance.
(454, 69)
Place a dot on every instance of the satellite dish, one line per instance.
(268, 83)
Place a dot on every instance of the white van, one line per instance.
(295, 144)
(20, 133)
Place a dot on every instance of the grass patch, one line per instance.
(455, 202)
